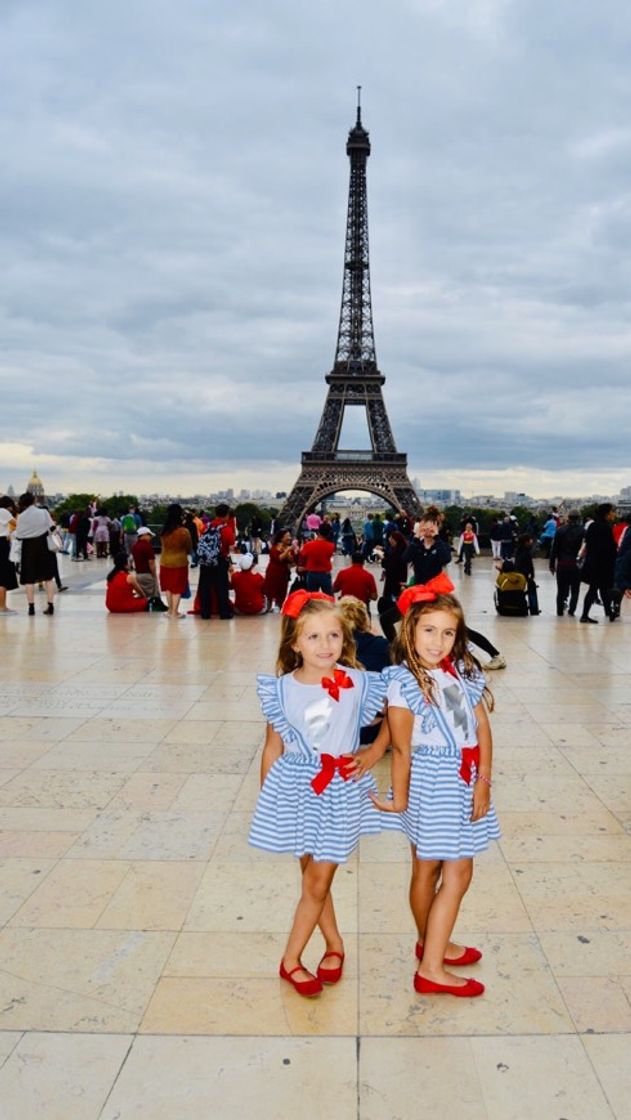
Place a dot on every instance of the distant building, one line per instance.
(442, 497)
(35, 486)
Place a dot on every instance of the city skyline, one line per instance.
(173, 239)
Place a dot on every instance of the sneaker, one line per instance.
(497, 662)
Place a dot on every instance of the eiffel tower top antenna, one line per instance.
(355, 349)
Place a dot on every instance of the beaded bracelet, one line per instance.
(482, 778)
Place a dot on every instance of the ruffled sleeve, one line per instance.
(403, 690)
(373, 696)
(474, 685)
(268, 691)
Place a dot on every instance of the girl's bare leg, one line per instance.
(423, 887)
(443, 912)
(175, 601)
(328, 920)
(317, 878)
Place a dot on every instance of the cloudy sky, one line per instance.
(173, 204)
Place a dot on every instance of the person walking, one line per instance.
(599, 563)
(564, 563)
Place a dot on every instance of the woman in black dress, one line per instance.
(37, 562)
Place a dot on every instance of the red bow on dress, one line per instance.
(425, 592)
(340, 680)
(470, 757)
(298, 599)
(329, 764)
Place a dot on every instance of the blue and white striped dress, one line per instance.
(290, 816)
(437, 820)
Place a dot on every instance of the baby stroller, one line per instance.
(510, 591)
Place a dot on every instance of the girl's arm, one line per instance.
(365, 759)
(401, 723)
(482, 788)
(272, 750)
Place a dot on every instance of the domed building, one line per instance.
(35, 486)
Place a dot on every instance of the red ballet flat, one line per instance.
(309, 988)
(430, 987)
(330, 975)
(470, 956)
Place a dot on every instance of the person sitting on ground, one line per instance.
(124, 595)
(145, 567)
(248, 586)
(356, 581)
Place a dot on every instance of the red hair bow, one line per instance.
(295, 602)
(425, 592)
(340, 680)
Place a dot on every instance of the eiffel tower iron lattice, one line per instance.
(354, 381)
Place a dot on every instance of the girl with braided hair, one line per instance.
(441, 774)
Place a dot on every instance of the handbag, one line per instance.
(53, 541)
(15, 551)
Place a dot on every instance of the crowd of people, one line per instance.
(151, 570)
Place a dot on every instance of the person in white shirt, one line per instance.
(37, 561)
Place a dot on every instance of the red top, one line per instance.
(356, 581)
(227, 536)
(315, 556)
(618, 531)
(120, 598)
(142, 553)
(248, 592)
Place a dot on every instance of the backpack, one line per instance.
(129, 523)
(511, 581)
(209, 547)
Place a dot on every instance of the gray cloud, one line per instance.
(174, 206)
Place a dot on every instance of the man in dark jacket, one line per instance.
(563, 562)
(622, 575)
(600, 559)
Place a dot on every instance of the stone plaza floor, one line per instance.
(141, 935)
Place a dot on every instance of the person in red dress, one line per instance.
(248, 587)
(282, 556)
(356, 581)
(124, 595)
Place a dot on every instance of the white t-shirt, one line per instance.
(328, 726)
(454, 707)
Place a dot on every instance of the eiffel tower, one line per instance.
(355, 381)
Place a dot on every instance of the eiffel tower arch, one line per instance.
(355, 380)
